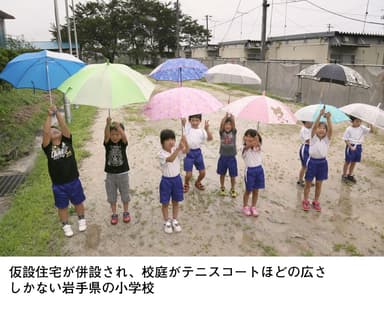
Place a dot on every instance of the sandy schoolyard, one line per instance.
(351, 222)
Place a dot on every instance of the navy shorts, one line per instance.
(194, 158)
(304, 154)
(227, 163)
(68, 192)
(254, 178)
(171, 188)
(353, 156)
(316, 168)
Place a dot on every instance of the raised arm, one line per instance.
(209, 133)
(223, 122)
(173, 156)
(63, 126)
(185, 146)
(329, 123)
(47, 127)
(316, 124)
(107, 130)
(233, 121)
(122, 133)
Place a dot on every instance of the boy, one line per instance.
(171, 185)
(305, 136)
(353, 137)
(195, 137)
(227, 159)
(62, 168)
(116, 167)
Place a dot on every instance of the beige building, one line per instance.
(242, 50)
(201, 52)
(341, 47)
(3, 17)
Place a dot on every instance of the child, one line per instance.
(116, 167)
(254, 172)
(227, 160)
(353, 137)
(62, 168)
(317, 165)
(305, 136)
(171, 185)
(195, 137)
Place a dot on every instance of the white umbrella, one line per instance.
(232, 74)
(368, 113)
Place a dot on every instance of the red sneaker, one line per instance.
(316, 205)
(305, 205)
(114, 219)
(126, 217)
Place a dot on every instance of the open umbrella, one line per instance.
(43, 70)
(262, 109)
(311, 112)
(107, 85)
(180, 102)
(179, 69)
(232, 74)
(369, 113)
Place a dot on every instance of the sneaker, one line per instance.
(82, 225)
(247, 211)
(67, 230)
(300, 183)
(233, 193)
(126, 217)
(168, 227)
(176, 226)
(305, 205)
(344, 178)
(254, 212)
(316, 205)
(222, 192)
(351, 178)
(114, 219)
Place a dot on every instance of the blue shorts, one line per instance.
(227, 163)
(254, 178)
(316, 168)
(194, 158)
(353, 156)
(304, 154)
(171, 188)
(70, 191)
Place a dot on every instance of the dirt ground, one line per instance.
(351, 223)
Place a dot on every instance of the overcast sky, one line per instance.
(33, 17)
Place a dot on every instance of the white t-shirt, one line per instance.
(305, 134)
(356, 135)
(170, 169)
(195, 137)
(318, 148)
(252, 157)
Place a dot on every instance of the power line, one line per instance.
(233, 18)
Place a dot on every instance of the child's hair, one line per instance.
(114, 127)
(304, 122)
(353, 118)
(253, 133)
(324, 124)
(228, 120)
(198, 116)
(166, 135)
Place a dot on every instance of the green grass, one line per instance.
(350, 249)
(30, 227)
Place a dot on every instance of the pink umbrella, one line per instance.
(180, 102)
(262, 109)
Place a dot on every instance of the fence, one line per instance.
(279, 78)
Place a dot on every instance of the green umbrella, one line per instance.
(107, 85)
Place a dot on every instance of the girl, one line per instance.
(254, 173)
(317, 166)
(305, 136)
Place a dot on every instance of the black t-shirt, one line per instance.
(116, 160)
(62, 165)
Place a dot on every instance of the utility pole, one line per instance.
(264, 29)
(329, 26)
(57, 26)
(365, 17)
(177, 30)
(206, 24)
(74, 30)
(68, 27)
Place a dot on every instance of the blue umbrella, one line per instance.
(179, 69)
(311, 112)
(43, 70)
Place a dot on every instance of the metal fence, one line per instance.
(279, 78)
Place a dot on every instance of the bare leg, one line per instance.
(125, 206)
(222, 179)
(351, 168)
(345, 168)
(318, 190)
(302, 173)
(233, 183)
(246, 198)
(114, 208)
(175, 209)
(188, 176)
(255, 195)
(63, 214)
(80, 209)
(307, 188)
(164, 210)
(201, 176)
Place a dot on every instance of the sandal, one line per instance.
(186, 188)
(199, 186)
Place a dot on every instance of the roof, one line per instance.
(4, 15)
(51, 45)
(238, 42)
(317, 35)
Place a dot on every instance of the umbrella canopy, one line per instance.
(107, 85)
(180, 103)
(368, 113)
(179, 69)
(232, 74)
(262, 109)
(311, 112)
(334, 73)
(43, 70)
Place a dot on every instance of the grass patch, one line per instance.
(350, 249)
(30, 227)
